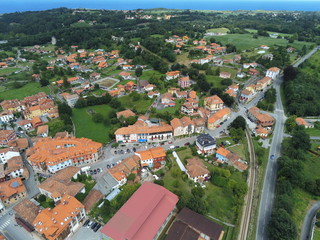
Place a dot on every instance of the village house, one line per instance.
(225, 156)
(183, 126)
(62, 220)
(263, 83)
(7, 153)
(71, 99)
(253, 72)
(95, 75)
(189, 223)
(172, 75)
(25, 124)
(263, 119)
(25, 213)
(225, 75)
(196, 170)
(246, 95)
(205, 144)
(20, 143)
(184, 82)
(13, 105)
(126, 75)
(273, 72)
(125, 114)
(121, 171)
(199, 124)
(135, 133)
(217, 118)
(61, 183)
(6, 117)
(261, 132)
(12, 191)
(213, 103)
(158, 206)
(50, 155)
(166, 99)
(152, 158)
(43, 131)
(6, 136)
(15, 168)
(301, 122)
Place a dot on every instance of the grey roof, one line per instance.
(113, 194)
(106, 183)
(206, 140)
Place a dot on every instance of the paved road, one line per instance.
(268, 189)
(11, 229)
(308, 223)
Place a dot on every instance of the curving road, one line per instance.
(308, 223)
(268, 190)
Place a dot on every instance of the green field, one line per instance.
(218, 30)
(280, 34)
(9, 70)
(239, 149)
(26, 90)
(171, 110)
(316, 235)
(140, 105)
(313, 131)
(146, 75)
(246, 41)
(219, 200)
(313, 64)
(85, 127)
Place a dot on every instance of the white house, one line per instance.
(25, 124)
(205, 144)
(273, 72)
(7, 153)
(6, 116)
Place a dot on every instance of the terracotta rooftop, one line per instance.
(213, 100)
(52, 222)
(60, 183)
(93, 197)
(10, 188)
(126, 113)
(27, 210)
(20, 143)
(196, 168)
(131, 129)
(219, 115)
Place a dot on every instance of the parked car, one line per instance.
(218, 126)
(171, 147)
(97, 227)
(95, 171)
(98, 170)
(187, 144)
(134, 149)
(108, 166)
(128, 150)
(89, 224)
(94, 225)
(86, 222)
(115, 152)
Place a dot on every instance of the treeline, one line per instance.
(301, 94)
(290, 176)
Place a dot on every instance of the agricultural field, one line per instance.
(9, 70)
(26, 90)
(218, 30)
(141, 103)
(246, 41)
(106, 83)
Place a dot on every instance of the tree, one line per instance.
(64, 108)
(289, 73)
(291, 123)
(42, 198)
(236, 133)
(197, 192)
(4, 125)
(281, 226)
(198, 205)
(239, 122)
(131, 177)
(300, 139)
(44, 82)
(138, 72)
(97, 118)
(66, 83)
(12, 125)
(96, 86)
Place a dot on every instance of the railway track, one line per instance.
(247, 208)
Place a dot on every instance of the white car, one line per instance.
(156, 177)
(171, 147)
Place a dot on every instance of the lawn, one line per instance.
(218, 30)
(220, 200)
(313, 131)
(140, 105)
(246, 41)
(240, 149)
(183, 58)
(312, 65)
(311, 167)
(85, 127)
(280, 34)
(9, 70)
(27, 90)
(146, 75)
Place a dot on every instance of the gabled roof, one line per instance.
(142, 215)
